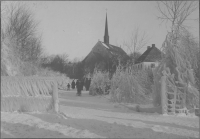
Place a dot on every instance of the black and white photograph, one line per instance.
(100, 69)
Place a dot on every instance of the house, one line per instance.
(149, 59)
(103, 52)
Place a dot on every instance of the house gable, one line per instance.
(152, 54)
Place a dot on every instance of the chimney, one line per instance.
(153, 45)
(148, 47)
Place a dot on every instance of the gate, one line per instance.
(173, 95)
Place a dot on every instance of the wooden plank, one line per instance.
(55, 96)
(163, 94)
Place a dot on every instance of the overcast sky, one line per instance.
(74, 27)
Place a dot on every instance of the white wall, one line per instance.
(145, 65)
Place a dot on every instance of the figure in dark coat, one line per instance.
(87, 84)
(73, 84)
(78, 87)
(68, 86)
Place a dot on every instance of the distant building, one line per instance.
(103, 52)
(149, 59)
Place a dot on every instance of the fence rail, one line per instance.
(173, 96)
(23, 89)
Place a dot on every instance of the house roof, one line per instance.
(152, 54)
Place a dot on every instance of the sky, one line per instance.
(74, 27)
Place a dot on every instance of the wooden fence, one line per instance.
(29, 93)
(173, 95)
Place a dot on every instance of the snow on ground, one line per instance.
(95, 117)
(29, 120)
(136, 121)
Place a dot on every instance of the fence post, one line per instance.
(55, 96)
(175, 100)
(163, 94)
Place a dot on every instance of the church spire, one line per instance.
(106, 37)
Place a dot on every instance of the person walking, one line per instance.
(78, 87)
(68, 86)
(73, 84)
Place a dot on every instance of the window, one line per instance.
(152, 65)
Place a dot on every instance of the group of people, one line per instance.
(79, 85)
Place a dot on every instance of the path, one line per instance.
(95, 117)
(99, 108)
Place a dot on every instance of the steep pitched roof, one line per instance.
(152, 54)
(114, 49)
(111, 49)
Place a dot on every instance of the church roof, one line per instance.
(105, 50)
(152, 54)
(113, 49)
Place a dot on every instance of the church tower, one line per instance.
(106, 37)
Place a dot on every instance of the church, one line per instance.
(104, 55)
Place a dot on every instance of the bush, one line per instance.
(100, 83)
(130, 86)
(62, 79)
(145, 79)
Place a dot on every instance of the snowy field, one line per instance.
(96, 117)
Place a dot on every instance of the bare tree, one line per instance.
(64, 57)
(21, 26)
(180, 49)
(137, 41)
(176, 12)
(19, 36)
